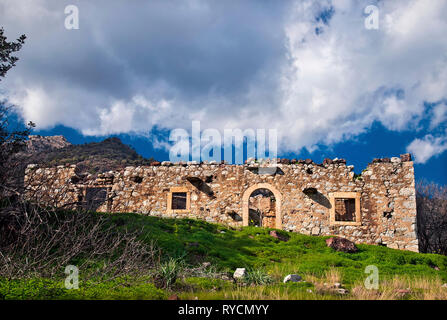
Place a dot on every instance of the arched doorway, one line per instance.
(262, 209)
(264, 190)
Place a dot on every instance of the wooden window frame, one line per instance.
(188, 200)
(345, 195)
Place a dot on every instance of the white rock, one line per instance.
(342, 291)
(292, 278)
(239, 273)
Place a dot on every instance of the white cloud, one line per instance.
(35, 104)
(163, 68)
(347, 77)
(427, 147)
(138, 115)
(439, 115)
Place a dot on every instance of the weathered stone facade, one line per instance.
(306, 197)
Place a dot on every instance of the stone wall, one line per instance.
(304, 194)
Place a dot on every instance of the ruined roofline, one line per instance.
(253, 163)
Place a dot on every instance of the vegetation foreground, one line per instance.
(196, 260)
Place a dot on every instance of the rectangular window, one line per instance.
(345, 209)
(179, 201)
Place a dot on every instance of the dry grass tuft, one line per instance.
(399, 288)
(329, 283)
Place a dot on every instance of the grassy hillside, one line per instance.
(253, 247)
(186, 244)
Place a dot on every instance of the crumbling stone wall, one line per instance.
(304, 194)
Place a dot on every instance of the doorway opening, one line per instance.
(262, 208)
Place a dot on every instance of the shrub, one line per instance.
(41, 243)
(168, 272)
(257, 277)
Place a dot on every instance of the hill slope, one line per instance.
(94, 157)
(229, 249)
(187, 244)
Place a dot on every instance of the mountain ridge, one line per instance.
(92, 157)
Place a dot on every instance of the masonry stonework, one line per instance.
(376, 207)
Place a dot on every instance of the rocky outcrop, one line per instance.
(36, 143)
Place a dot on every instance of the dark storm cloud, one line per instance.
(186, 50)
(195, 47)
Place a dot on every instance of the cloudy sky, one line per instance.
(310, 69)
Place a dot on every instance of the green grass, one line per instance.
(45, 289)
(267, 258)
(253, 247)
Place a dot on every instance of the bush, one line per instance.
(41, 243)
(257, 277)
(168, 272)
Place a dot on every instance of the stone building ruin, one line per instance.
(376, 207)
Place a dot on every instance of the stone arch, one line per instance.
(246, 197)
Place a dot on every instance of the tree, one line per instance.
(431, 202)
(11, 140)
(6, 52)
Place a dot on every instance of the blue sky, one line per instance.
(309, 69)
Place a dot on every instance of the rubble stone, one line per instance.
(341, 244)
(239, 273)
(292, 278)
(277, 235)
